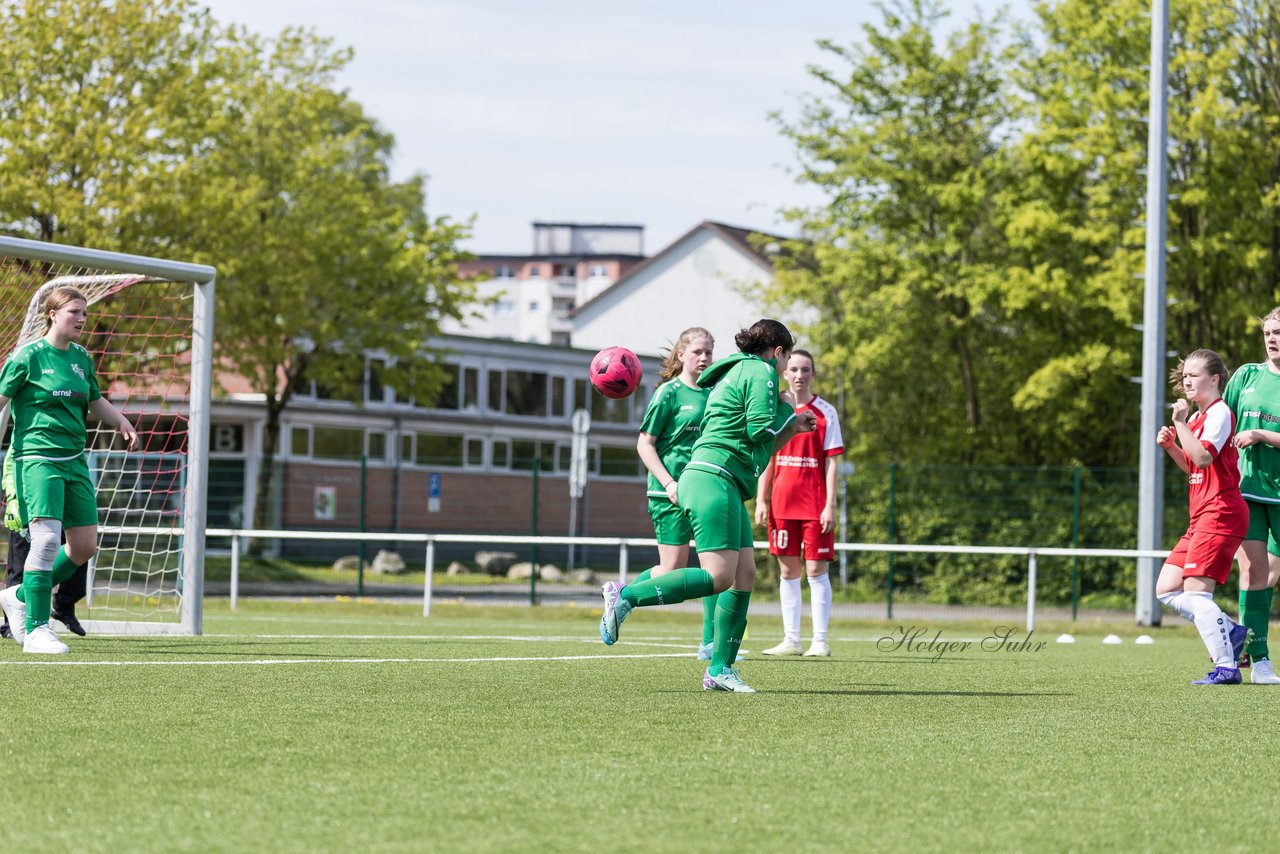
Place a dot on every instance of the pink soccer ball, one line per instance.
(616, 372)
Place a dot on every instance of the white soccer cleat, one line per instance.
(704, 651)
(818, 649)
(787, 647)
(728, 680)
(1264, 673)
(43, 641)
(16, 611)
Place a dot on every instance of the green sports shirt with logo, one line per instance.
(673, 417)
(745, 414)
(1253, 394)
(51, 390)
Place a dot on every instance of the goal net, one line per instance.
(149, 333)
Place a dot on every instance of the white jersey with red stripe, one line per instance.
(799, 489)
(1215, 490)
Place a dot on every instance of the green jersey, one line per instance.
(51, 390)
(745, 414)
(673, 416)
(1253, 394)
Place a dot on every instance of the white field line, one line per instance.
(274, 661)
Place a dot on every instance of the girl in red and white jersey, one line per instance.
(796, 496)
(1201, 560)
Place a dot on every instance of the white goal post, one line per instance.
(150, 333)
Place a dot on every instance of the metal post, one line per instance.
(623, 560)
(533, 530)
(1075, 544)
(426, 583)
(364, 470)
(1031, 592)
(893, 488)
(235, 570)
(1151, 458)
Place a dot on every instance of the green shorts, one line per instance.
(1264, 520)
(59, 490)
(670, 525)
(716, 511)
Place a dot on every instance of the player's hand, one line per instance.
(12, 520)
(1245, 438)
(127, 433)
(827, 519)
(806, 422)
(762, 512)
(671, 491)
(1167, 437)
(1180, 410)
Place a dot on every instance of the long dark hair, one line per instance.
(763, 336)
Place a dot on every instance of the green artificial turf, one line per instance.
(382, 731)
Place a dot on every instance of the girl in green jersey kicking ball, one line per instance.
(53, 386)
(745, 422)
(667, 434)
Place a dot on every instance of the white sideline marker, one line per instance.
(1112, 640)
(1145, 640)
(1066, 638)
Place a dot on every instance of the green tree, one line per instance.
(100, 102)
(144, 126)
(322, 258)
(903, 263)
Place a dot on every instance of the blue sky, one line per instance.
(653, 113)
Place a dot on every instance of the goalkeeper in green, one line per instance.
(54, 387)
(68, 593)
(745, 422)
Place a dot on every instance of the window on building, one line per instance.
(375, 392)
(598, 271)
(533, 306)
(377, 451)
(558, 397)
(504, 271)
(435, 450)
(619, 462)
(535, 271)
(337, 443)
(504, 308)
(604, 409)
(525, 451)
(300, 441)
(501, 454)
(475, 453)
(447, 396)
(525, 393)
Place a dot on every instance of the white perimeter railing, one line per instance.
(624, 543)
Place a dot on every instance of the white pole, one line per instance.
(1031, 592)
(622, 563)
(426, 582)
(235, 570)
(1151, 458)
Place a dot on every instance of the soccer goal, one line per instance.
(150, 332)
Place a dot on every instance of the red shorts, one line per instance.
(1204, 554)
(802, 537)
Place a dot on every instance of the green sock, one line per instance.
(731, 619)
(669, 588)
(39, 589)
(644, 576)
(1255, 613)
(709, 617)
(63, 566)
